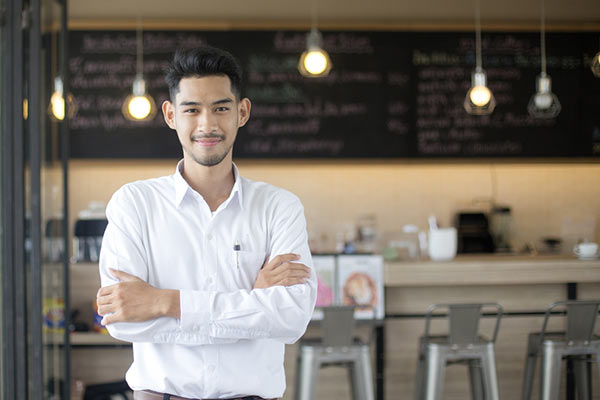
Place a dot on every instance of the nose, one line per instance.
(206, 122)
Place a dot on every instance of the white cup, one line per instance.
(586, 250)
(442, 244)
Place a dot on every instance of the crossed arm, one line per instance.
(278, 307)
(134, 300)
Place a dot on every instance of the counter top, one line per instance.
(492, 270)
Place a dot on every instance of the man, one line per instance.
(207, 273)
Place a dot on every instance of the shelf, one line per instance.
(95, 339)
(87, 339)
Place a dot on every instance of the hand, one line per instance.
(281, 271)
(133, 300)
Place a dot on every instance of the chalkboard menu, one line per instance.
(389, 95)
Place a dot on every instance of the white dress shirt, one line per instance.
(230, 339)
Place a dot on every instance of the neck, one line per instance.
(213, 183)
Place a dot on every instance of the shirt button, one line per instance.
(211, 368)
(209, 281)
(209, 236)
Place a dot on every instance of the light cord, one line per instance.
(313, 15)
(478, 35)
(543, 37)
(140, 47)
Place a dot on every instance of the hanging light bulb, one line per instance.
(543, 103)
(57, 100)
(139, 105)
(596, 65)
(479, 99)
(314, 62)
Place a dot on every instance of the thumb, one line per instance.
(123, 276)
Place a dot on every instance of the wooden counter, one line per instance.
(492, 270)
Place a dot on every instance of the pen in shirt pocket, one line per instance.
(236, 253)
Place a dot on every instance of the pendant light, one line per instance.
(139, 105)
(479, 99)
(57, 101)
(314, 61)
(596, 65)
(544, 103)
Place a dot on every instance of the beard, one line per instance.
(211, 159)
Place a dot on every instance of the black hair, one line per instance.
(200, 62)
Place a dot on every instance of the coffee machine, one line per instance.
(473, 233)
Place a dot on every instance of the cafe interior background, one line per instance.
(547, 203)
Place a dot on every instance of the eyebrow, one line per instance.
(214, 103)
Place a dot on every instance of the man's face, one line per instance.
(206, 116)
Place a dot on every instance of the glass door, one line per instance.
(52, 202)
(2, 225)
(34, 232)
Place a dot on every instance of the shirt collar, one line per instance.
(182, 187)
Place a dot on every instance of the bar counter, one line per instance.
(492, 270)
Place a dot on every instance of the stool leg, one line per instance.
(528, 376)
(298, 375)
(306, 376)
(354, 389)
(436, 369)
(551, 369)
(476, 378)
(420, 377)
(490, 377)
(364, 375)
(582, 383)
(530, 365)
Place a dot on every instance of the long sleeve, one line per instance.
(209, 316)
(123, 249)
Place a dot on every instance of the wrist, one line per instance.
(168, 305)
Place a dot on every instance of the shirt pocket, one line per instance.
(246, 265)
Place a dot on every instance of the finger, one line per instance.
(106, 309)
(299, 274)
(105, 291)
(109, 319)
(293, 281)
(289, 266)
(123, 276)
(292, 272)
(282, 258)
(103, 300)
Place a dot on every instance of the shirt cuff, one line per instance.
(195, 309)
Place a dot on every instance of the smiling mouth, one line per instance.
(207, 141)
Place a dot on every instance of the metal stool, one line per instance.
(578, 343)
(338, 347)
(462, 344)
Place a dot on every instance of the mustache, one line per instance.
(211, 136)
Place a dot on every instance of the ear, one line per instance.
(243, 112)
(168, 110)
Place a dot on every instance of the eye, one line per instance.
(190, 111)
(222, 109)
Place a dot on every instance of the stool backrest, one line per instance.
(463, 321)
(338, 325)
(581, 318)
